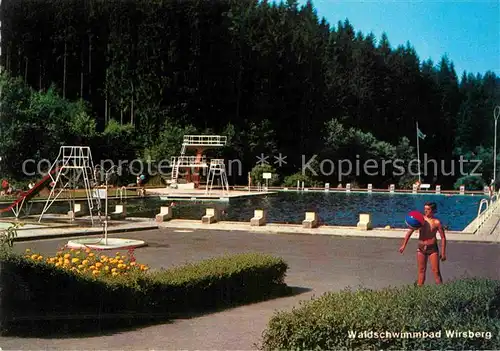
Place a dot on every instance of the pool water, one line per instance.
(455, 212)
(343, 209)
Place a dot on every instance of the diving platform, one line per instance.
(219, 195)
(204, 140)
(189, 161)
(199, 143)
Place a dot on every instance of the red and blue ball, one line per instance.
(415, 220)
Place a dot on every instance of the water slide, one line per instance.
(27, 195)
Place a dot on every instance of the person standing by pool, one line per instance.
(427, 245)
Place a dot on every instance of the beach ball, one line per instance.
(414, 220)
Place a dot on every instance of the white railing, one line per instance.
(189, 161)
(210, 140)
(217, 161)
(492, 205)
(481, 216)
(75, 156)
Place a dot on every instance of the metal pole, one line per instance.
(1, 59)
(418, 157)
(496, 114)
(106, 174)
(106, 213)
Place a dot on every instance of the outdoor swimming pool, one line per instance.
(455, 211)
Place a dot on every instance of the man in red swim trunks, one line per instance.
(427, 245)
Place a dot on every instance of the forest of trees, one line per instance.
(130, 77)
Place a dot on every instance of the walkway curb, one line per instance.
(84, 233)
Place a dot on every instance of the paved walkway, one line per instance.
(484, 236)
(318, 263)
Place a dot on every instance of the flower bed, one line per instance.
(463, 314)
(76, 285)
(89, 262)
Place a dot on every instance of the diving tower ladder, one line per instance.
(217, 168)
(73, 166)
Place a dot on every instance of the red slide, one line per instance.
(27, 195)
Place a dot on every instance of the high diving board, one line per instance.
(204, 140)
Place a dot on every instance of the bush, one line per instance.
(330, 321)
(37, 289)
(470, 183)
(257, 175)
(8, 235)
(291, 181)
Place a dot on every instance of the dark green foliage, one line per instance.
(257, 175)
(324, 323)
(272, 73)
(470, 182)
(39, 291)
(291, 181)
(8, 235)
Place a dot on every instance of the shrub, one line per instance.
(257, 175)
(8, 235)
(330, 321)
(291, 180)
(470, 183)
(38, 289)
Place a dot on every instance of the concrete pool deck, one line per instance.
(274, 228)
(200, 194)
(489, 232)
(61, 230)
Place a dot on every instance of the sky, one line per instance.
(468, 32)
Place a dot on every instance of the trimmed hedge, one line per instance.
(34, 290)
(328, 323)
